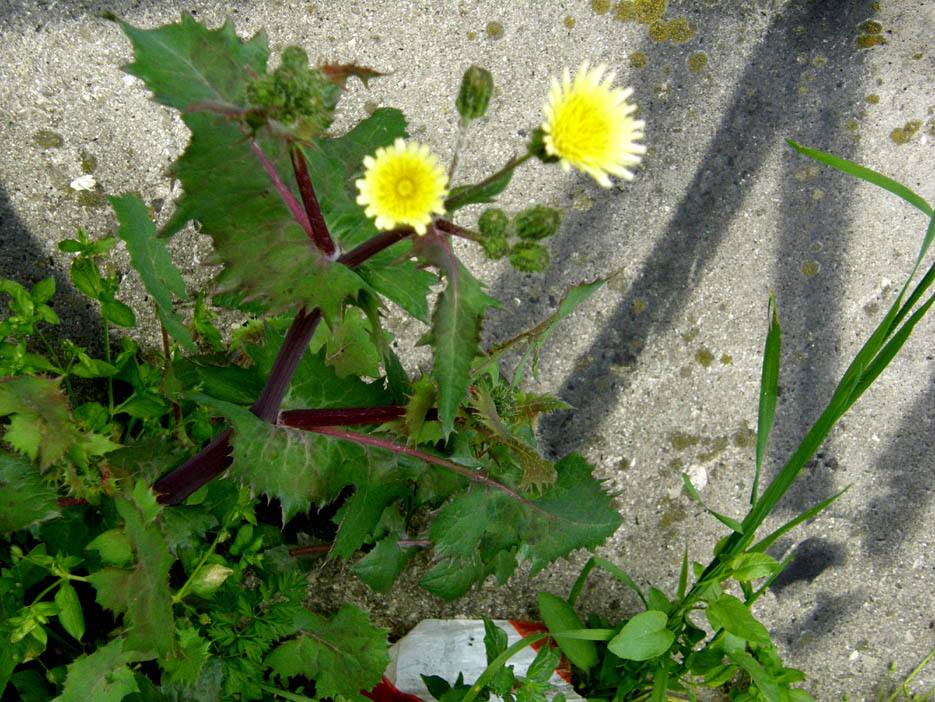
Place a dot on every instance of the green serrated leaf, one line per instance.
(343, 655)
(383, 564)
(537, 471)
(186, 63)
(114, 547)
(312, 469)
(479, 525)
(25, 499)
(350, 349)
(266, 255)
(226, 186)
(455, 339)
(315, 384)
(39, 423)
(104, 676)
(152, 261)
(189, 660)
(645, 636)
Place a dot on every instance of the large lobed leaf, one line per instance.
(265, 253)
(41, 426)
(479, 532)
(25, 498)
(186, 62)
(103, 676)
(343, 655)
(141, 593)
(302, 469)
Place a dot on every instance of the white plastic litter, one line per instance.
(446, 647)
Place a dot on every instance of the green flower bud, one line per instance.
(493, 223)
(496, 247)
(529, 258)
(494, 226)
(537, 223)
(294, 59)
(474, 96)
(536, 146)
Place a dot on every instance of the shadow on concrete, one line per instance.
(908, 470)
(767, 105)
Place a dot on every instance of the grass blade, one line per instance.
(768, 384)
(865, 174)
(768, 541)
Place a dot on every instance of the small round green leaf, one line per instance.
(644, 637)
(118, 313)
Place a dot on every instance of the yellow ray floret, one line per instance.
(590, 126)
(403, 184)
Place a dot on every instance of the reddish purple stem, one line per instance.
(319, 230)
(215, 458)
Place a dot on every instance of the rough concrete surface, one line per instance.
(663, 364)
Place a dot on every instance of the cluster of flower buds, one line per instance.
(295, 94)
(529, 226)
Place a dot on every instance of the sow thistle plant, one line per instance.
(155, 525)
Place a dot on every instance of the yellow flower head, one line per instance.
(403, 184)
(590, 126)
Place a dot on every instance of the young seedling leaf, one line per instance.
(25, 498)
(644, 637)
(734, 617)
(559, 616)
(343, 655)
(152, 261)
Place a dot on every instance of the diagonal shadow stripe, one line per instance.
(759, 114)
(908, 468)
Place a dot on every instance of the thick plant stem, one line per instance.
(320, 234)
(215, 458)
